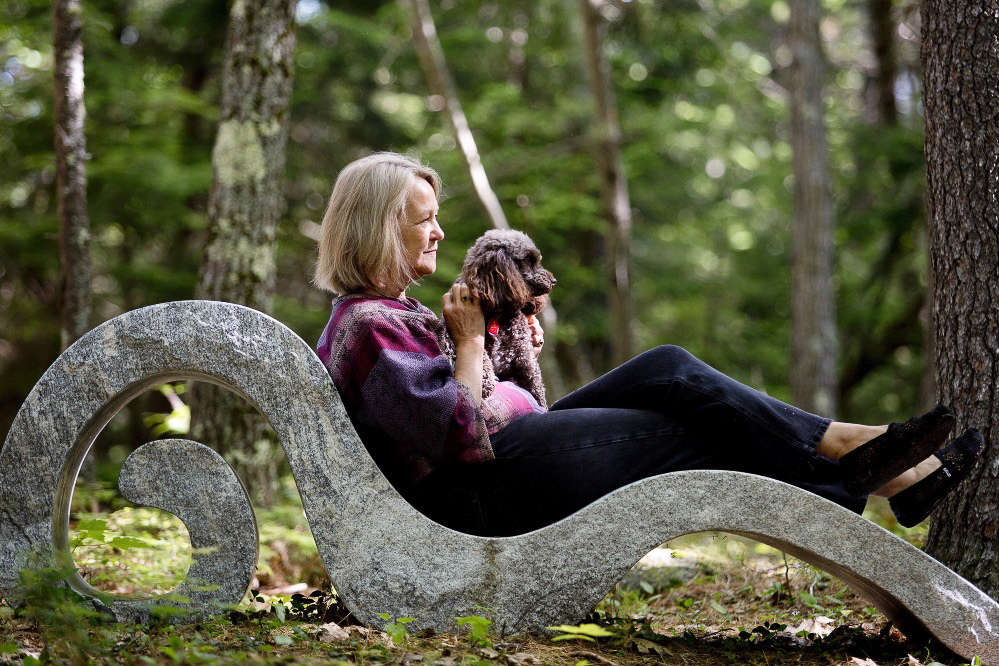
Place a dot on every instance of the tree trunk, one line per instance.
(814, 345)
(71, 178)
(613, 184)
(882, 85)
(428, 48)
(435, 68)
(960, 57)
(243, 210)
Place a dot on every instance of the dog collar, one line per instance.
(493, 327)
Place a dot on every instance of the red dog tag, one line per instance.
(493, 327)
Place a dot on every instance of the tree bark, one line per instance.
(882, 92)
(71, 177)
(613, 184)
(814, 340)
(428, 48)
(960, 58)
(243, 210)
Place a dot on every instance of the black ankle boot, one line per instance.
(875, 463)
(912, 505)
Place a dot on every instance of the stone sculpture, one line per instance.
(381, 554)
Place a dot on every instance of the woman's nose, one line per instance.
(438, 232)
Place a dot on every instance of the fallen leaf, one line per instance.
(521, 659)
(857, 661)
(645, 646)
(819, 625)
(331, 632)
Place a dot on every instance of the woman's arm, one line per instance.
(400, 388)
(466, 324)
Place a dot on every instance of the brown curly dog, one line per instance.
(503, 270)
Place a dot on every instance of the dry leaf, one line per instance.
(819, 625)
(332, 632)
(857, 661)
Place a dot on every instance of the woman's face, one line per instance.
(420, 230)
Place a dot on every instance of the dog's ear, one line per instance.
(493, 278)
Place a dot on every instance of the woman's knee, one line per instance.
(671, 356)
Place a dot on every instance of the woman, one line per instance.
(504, 465)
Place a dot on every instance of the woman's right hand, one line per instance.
(467, 325)
(462, 314)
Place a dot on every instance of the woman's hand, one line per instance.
(467, 326)
(537, 334)
(462, 314)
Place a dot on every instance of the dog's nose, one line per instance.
(554, 281)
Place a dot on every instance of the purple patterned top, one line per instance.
(385, 357)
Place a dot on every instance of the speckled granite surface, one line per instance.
(194, 483)
(381, 554)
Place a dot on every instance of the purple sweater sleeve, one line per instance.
(400, 388)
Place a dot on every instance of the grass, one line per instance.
(705, 599)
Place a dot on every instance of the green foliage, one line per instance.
(396, 629)
(64, 619)
(585, 632)
(478, 629)
(139, 549)
(701, 93)
(175, 422)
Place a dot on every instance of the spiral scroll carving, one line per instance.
(381, 554)
(194, 483)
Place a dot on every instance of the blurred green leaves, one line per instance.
(700, 92)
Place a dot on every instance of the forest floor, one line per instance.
(701, 600)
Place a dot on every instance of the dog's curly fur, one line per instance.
(503, 270)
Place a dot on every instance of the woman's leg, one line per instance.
(550, 465)
(672, 381)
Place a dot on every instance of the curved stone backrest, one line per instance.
(381, 554)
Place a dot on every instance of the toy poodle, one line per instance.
(503, 270)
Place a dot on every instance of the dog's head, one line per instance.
(503, 269)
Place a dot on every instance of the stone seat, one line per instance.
(381, 554)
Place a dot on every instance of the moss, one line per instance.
(238, 156)
(270, 127)
(259, 259)
(246, 259)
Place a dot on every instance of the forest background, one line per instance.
(705, 94)
(702, 96)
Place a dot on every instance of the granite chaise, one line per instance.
(381, 554)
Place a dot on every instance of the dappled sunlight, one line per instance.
(140, 551)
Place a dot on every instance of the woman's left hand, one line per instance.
(537, 334)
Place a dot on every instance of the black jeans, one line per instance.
(663, 411)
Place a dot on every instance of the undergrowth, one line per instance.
(709, 599)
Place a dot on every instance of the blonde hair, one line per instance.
(360, 241)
